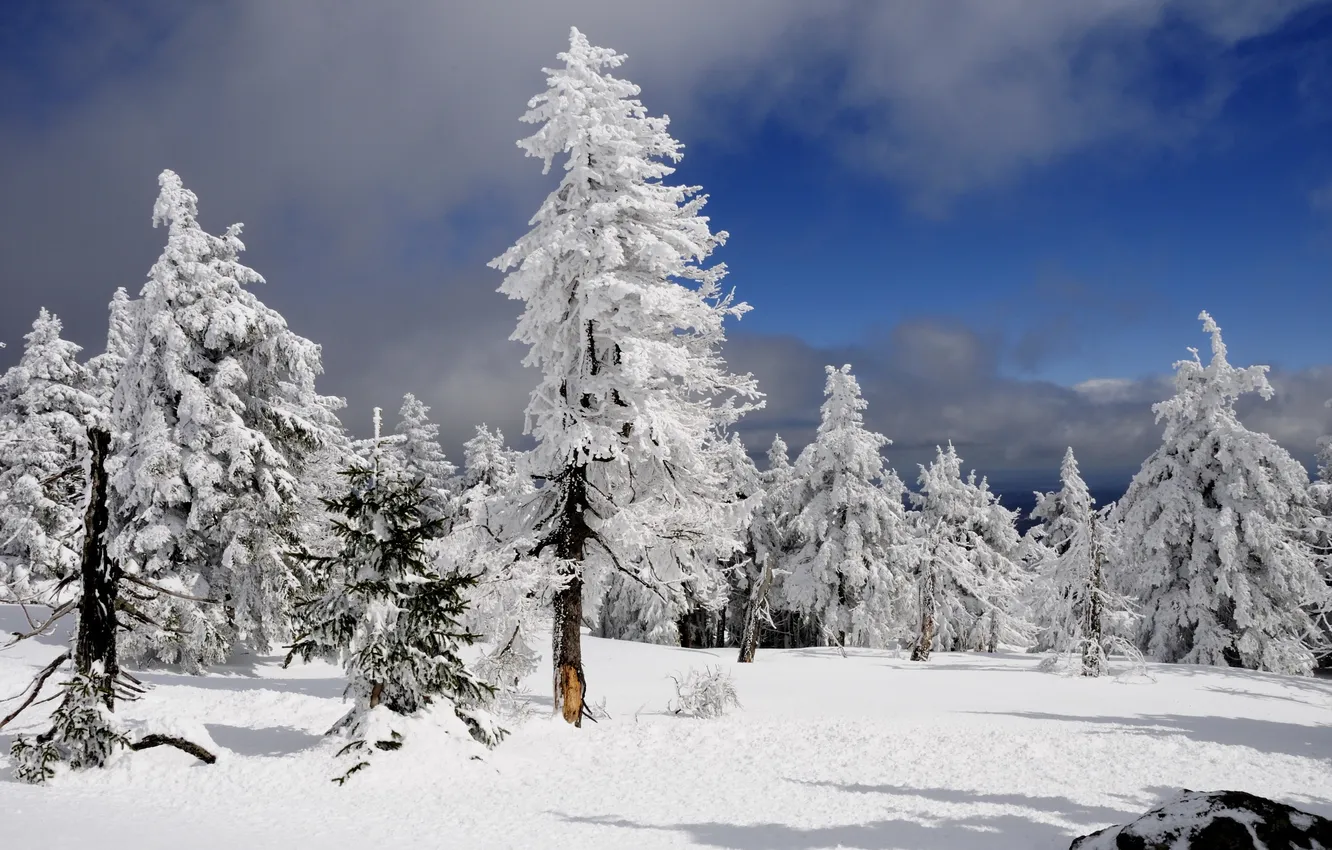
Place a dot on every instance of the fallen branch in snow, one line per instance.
(150, 741)
(37, 684)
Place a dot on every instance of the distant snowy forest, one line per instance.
(189, 494)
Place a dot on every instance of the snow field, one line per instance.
(868, 751)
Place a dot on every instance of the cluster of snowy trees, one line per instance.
(191, 495)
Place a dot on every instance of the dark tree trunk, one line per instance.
(755, 611)
(925, 640)
(570, 683)
(571, 536)
(696, 629)
(1093, 660)
(95, 647)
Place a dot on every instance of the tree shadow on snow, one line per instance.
(926, 666)
(1312, 684)
(329, 688)
(1325, 702)
(264, 741)
(1004, 832)
(14, 621)
(1093, 816)
(972, 832)
(7, 771)
(1269, 736)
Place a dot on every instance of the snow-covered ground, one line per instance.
(871, 751)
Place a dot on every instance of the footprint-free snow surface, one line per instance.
(868, 751)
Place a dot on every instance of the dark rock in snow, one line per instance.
(1217, 820)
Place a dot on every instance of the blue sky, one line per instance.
(1099, 261)
(979, 204)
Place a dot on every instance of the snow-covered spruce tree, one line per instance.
(719, 573)
(507, 607)
(121, 336)
(848, 573)
(1214, 531)
(633, 609)
(767, 543)
(214, 418)
(48, 406)
(967, 582)
(625, 324)
(390, 618)
(423, 460)
(1319, 538)
(1071, 601)
(742, 493)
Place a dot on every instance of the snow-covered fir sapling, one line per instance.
(423, 460)
(216, 422)
(48, 398)
(1214, 530)
(967, 582)
(625, 325)
(846, 505)
(704, 692)
(392, 620)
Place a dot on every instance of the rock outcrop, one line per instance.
(1216, 820)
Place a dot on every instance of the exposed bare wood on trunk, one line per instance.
(376, 694)
(95, 647)
(570, 683)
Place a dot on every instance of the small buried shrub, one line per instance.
(706, 692)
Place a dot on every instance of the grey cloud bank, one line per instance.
(371, 156)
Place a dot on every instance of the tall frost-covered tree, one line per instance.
(847, 509)
(422, 458)
(48, 405)
(968, 583)
(1214, 530)
(1071, 597)
(215, 418)
(624, 323)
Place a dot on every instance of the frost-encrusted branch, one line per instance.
(33, 689)
(157, 588)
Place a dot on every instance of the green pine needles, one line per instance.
(381, 609)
